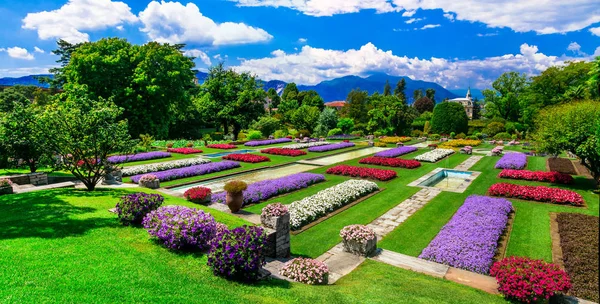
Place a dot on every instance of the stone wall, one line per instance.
(36, 179)
(278, 236)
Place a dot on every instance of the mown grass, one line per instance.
(5, 172)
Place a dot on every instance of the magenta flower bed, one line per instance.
(396, 152)
(257, 143)
(117, 159)
(266, 189)
(330, 147)
(172, 174)
(516, 161)
(469, 240)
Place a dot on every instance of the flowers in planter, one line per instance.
(537, 193)
(5, 182)
(434, 155)
(497, 151)
(191, 171)
(247, 158)
(469, 240)
(528, 280)
(284, 152)
(378, 174)
(117, 159)
(148, 178)
(132, 208)
(266, 189)
(274, 215)
(197, 194)
(357, 233)
(174, 164)
(325, 201)
(305, 270)
(331, 147)
(539, 176)
(235, 186)
(396, 152)
(306, 145)
(390, 162)
(222, 146)
(257, 143)
(276, 209)
(184, 150)
(180, 227)
(395, 139)
(238, 253)
(515, 160)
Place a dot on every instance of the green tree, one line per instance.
(267, 125)
(305, 117)
(399, 90)
(424, 104)
(274, 97)
(357, 104)
(504, 100)
(311, 98)
(290, 92)
(430, 93)
(418, 93)
(328, 120)
(594, 74)
(346, 124)
(286, 109)
(387, 90)
(10, 97)
(449, 117)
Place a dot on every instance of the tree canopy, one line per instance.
(449, 117)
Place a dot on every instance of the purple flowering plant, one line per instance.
(179, 227)
(305, 270)
(196, 170)
(331, 147)
(257, 143)
(396, 152)
(515, 161)
(132, 208)
(117, 159)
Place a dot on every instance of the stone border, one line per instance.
(461, 189)
(505, 237)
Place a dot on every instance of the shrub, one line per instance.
(189, 144)
(276, 209)
(336, 131)
(170, 145)
(528, 280)
(5, 182)
(266, 125)
(461, 136)
(346, 124)
(235, 186)
(378, 133)
(197, 194)
(305, 270)
(279, 134)
(494, 128)
(180, 227)
(247, 158)
(132, 208)
(449, 117)
(434, 137)
(424, 104)
(253, 135)
(502, 135)
(358, 133)
(217, 136)
(242, 136)
(452, 134)
(304, 133)
(416, 133)
(238, 253)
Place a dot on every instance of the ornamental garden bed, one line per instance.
(368, 173)
(434, 156)
(119, 159)
(191, 171)
(516, 161)
(331, 147)
(538, 176)
(162, 166)
(395, 152)
(390, 162)
(222, 146)
(247, 158)
(184, 150)
(283, 152)
(562, 165)
(537, 193)
(306, 145)
(257, 143)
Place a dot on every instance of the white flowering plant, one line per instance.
(141, 169)
(434, 155)
(306, 145)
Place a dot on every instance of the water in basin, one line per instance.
(328, 160)
(221, 154)
(447, 179)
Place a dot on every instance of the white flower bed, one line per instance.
(434, 155)
(306, 145)
(325, 201)
(141, 169)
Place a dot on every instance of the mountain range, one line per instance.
(330, 90)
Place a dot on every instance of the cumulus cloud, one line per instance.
(312, 65)
(175, 23)
(595, 31)
(541, 16)
(71, 20)
(18, 53)
(408, 13)
(199, 55)
(302, 40)
(575, 48)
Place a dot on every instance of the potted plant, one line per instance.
(6, 186)
(235, 196)
(359, 239)
(273, 215)
(149, 181)
(198, 195)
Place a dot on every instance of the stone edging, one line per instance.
(505, 237)
(557, 254)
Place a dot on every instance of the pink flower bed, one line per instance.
(184, 150)
(539, 176)
(537, 193)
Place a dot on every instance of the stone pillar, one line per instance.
(278, 235)
(38, 179)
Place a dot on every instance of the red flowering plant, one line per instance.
(390, 162)
(247, 158)
(378, 174)
(537, 193)
(528, 280)
(284, 152)
(539, 176)
(197, 194)
(184, 150)
(222, 146)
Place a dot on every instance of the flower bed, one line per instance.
(180, 227)
(469, 240)
(132, 208)
(378, 174)
(331, 147)
(257, 143)
(198, 195)
(266, 189)
(222, 146)
(395, 139)
(141, 169)
(284, 152)
(537, 193)
(247, 158)
(512, 161)
(434, 155)
(306, 145)
(562, 165)
(325, 201)
(459, 143)
(396, 152)
(307, 271)
(539, 176)
(118, 159)
(528, 280)
(172, 174)
(184, 150)
(390, 162)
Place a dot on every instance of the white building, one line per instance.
(466, 102)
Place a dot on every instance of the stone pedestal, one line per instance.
(278, 235)
(371, 143)
(38, 179)
(152, 184)
(359, 248)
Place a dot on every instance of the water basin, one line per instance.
(328, 160)
(446, 180)
(221, 154)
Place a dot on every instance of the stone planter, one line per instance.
(371, 144)
(204, 201)
(152, 185)
(274, 221)
(278, 235)
(234, 201)
(358, 248)
(6, 190)
(399, 144)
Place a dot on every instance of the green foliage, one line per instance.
(594, 80)
(452, 134)
(387, 89)
(305, 117)
(311, 98)
(416, 133)
(503, 100)
(10, 97)
(502, 136)
(290, 92)
(267, 125)
(335, 131)
(328, 120)
(254, 134)
(399, 90)
(430, 93)
(280, 134)
(494, 128)
(418, 93)
(274, 97)
(390, 115)
(146, 141)
(346, 124)
(449, 117)
(286, 109)
(424, 104)
(357, 104)
(427, 127)
(460, 135)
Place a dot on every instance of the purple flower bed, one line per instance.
(172, 174)
(117, 159)
(256, 143)
(515, 161)
(396, 152)
(330, 147)
(266, 189)
(469, 240)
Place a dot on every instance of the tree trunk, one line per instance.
(32, 166)
(236, 130)
(90, 185)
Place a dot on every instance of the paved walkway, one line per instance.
(31, 188)
(470, 162)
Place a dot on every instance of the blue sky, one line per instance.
(454, 43)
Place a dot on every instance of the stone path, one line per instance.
(32, 188)
(470, 162)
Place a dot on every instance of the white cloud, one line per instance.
(38, 50)
(595, 31)
(449, 16)
(174, 23)
(413, 20)
(429, 26)
(313, 65)
(18, 72)
(198, 54)
(18, 53)
(71, 20)
(487, 35)
(575, 48)
(408, 13)
(326, 7)
(302, 40)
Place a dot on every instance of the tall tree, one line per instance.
(449, 117)
(594, 73)
(328, 120)
(503, 100)
(418, 93)
(430, 93)
(305, 117)
(387, 90)
(290, 92)
(357, 104)
(274, 97)
(424, 104)
(311, 98)
(399, 90)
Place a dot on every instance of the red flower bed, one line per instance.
(184, 150)
(222, 146)
(379, 174)
(284, 152)
(540, 176)
(529, 280)
(247, 158)
(197, 194)
(390, 162)
(537, 193)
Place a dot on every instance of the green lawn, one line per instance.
(5, 172)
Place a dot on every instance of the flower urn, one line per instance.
(234, 201)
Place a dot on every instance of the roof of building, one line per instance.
(335, 104)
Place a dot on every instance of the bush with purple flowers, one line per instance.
(396, 152)
(514, 160)
(132, 208)
(117, 159)
(238, 253)
(180, 227)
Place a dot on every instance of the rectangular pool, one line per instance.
(446, 180)
(221, 154)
